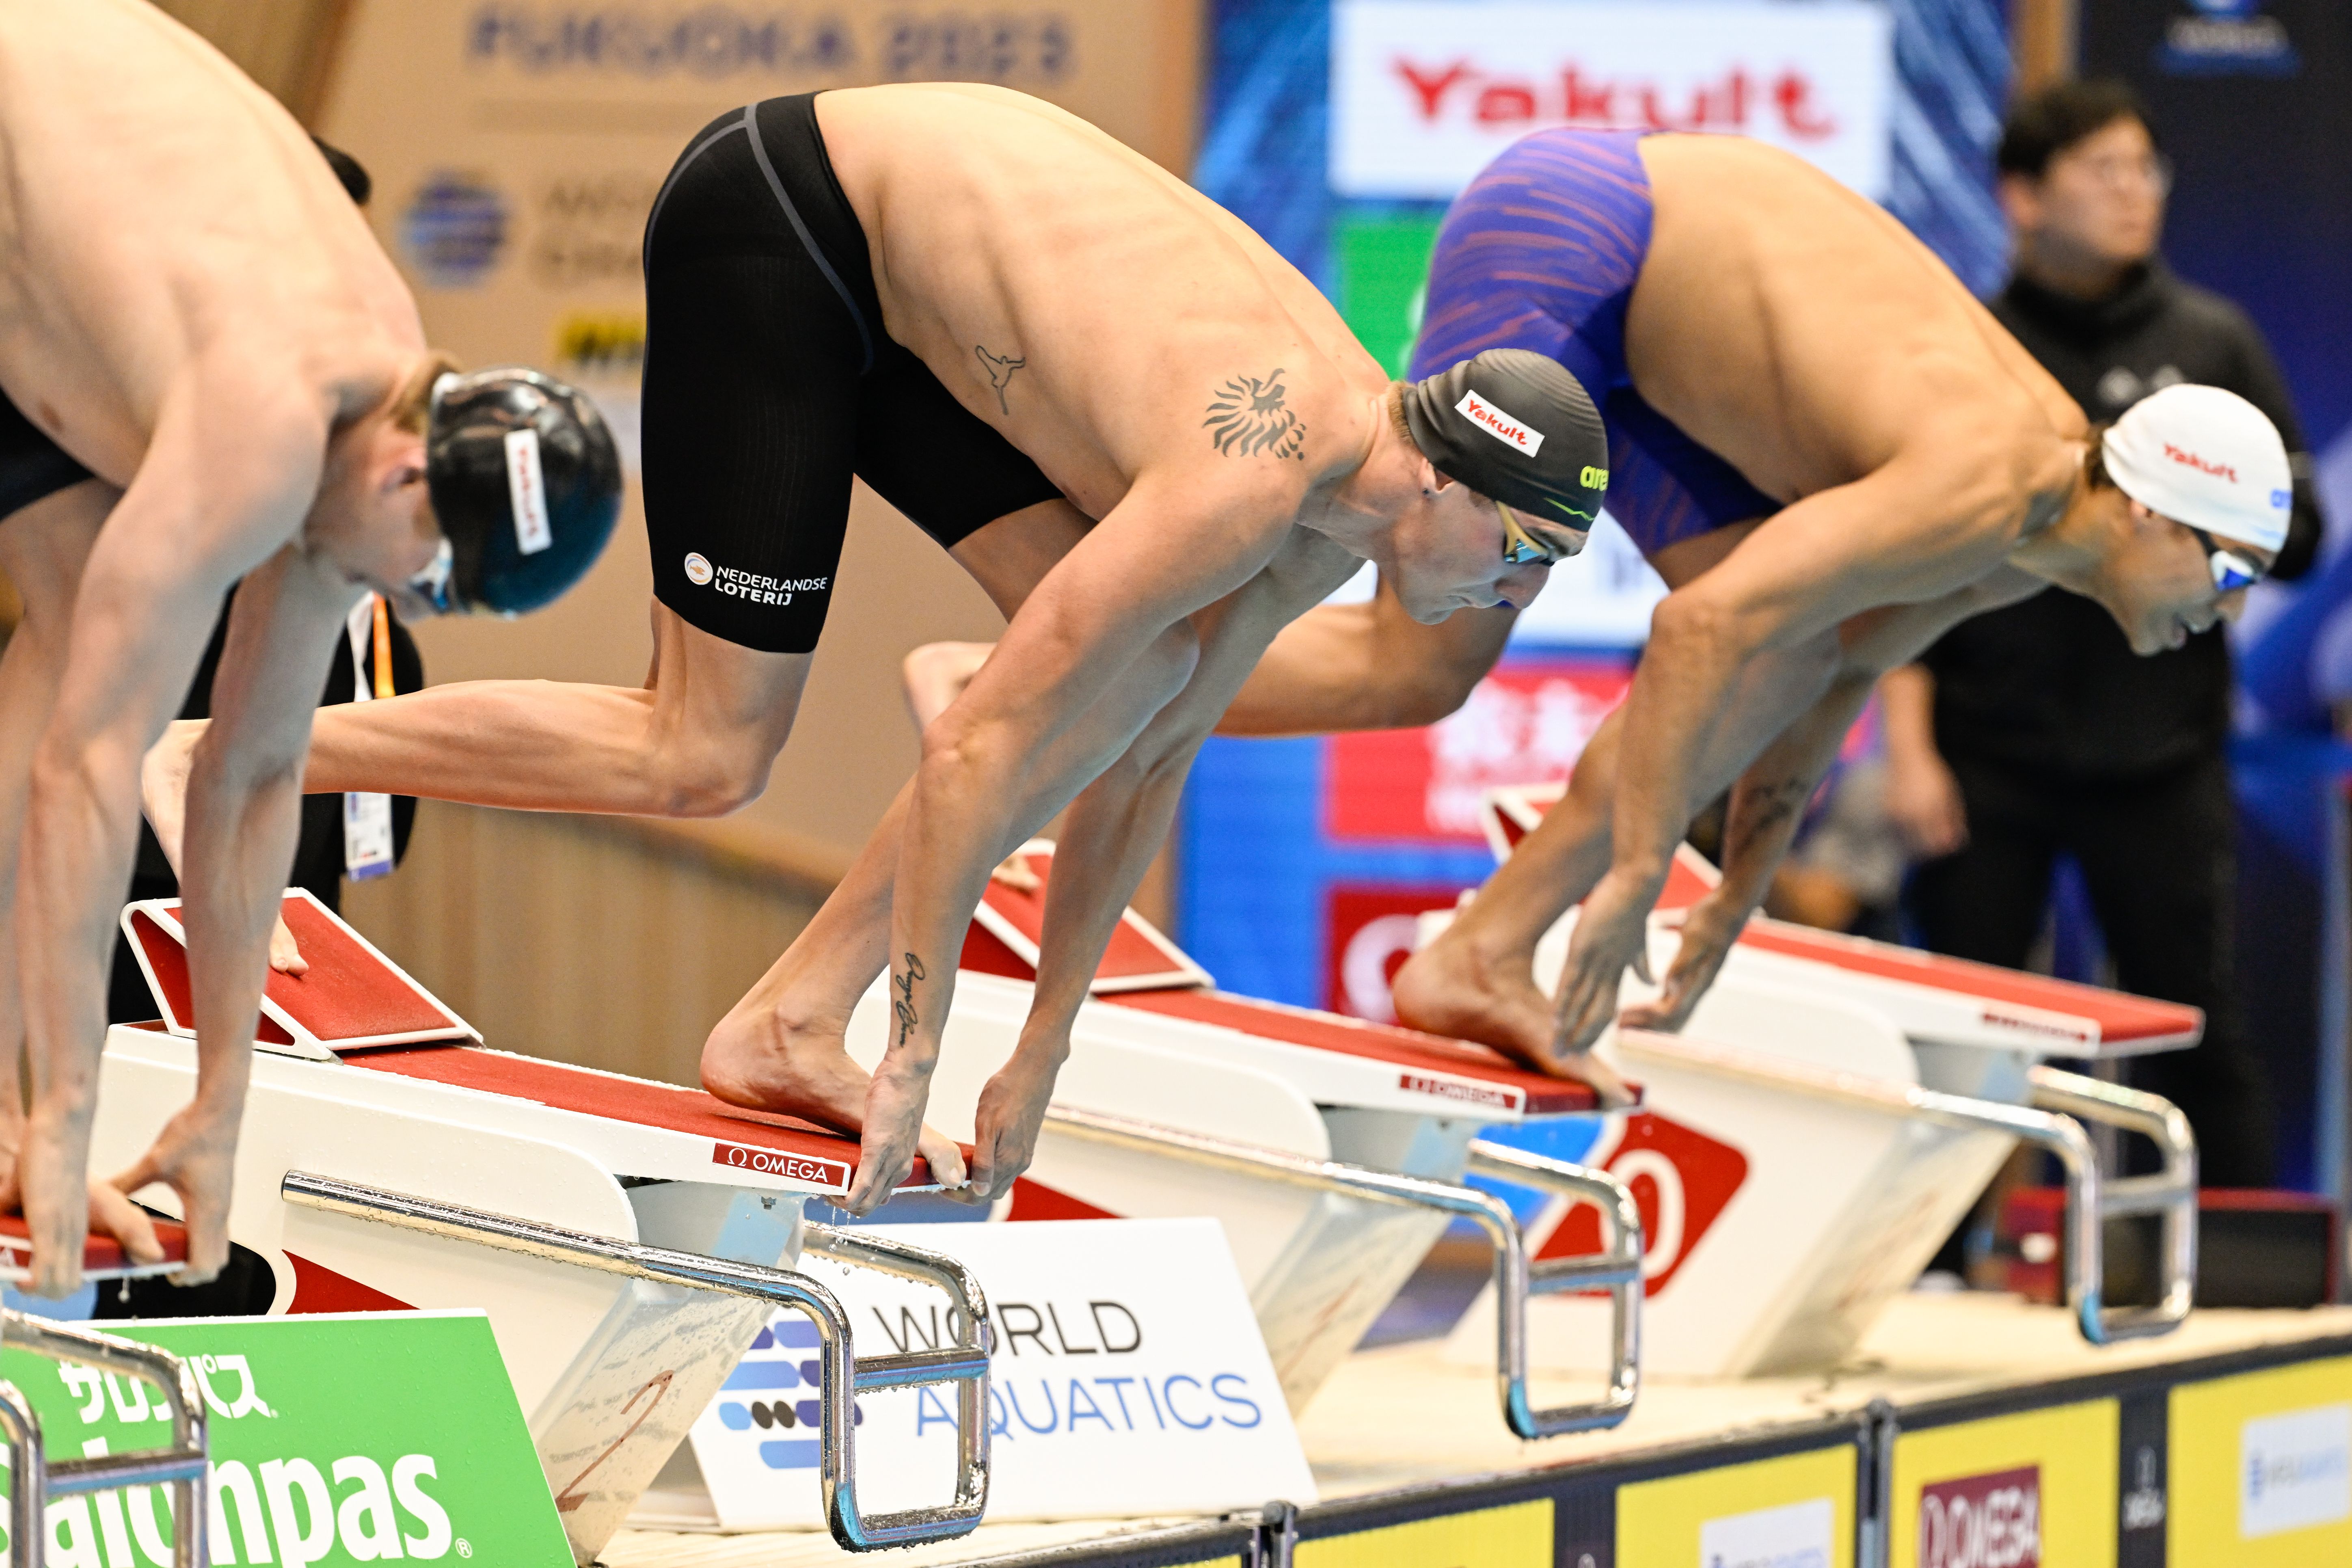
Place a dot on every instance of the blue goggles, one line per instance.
(432, 584)
(2230, 570)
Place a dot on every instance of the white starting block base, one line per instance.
(1922, 1349)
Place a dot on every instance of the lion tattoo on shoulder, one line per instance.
(1249, 415)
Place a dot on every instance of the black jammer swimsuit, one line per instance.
(768, 381)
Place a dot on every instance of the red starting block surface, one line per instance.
(358, 1008)
(1429, 1064)
(353, 997)
(1145, 971)
(2062, 1016)
(102, 1256)
(1011, 921)
(740, 1139)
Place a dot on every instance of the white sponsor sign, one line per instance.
(1424, 93)
(2294, 1470)
(1130, 1378)
(1797, 1536)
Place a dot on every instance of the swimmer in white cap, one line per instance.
(1829, 450)
(1831, 453)
(1144, 433)
(209, 372)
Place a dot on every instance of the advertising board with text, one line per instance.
(2261, 1467)
(1129, 1378)
(1424, 93)
(335, 1440)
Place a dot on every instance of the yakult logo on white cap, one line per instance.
(527, 488)
(1502, 425)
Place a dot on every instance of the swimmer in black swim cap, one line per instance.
(526, 484)
(1521, 431)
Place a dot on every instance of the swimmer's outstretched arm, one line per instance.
(1176, 542)
(1110, 834)
(244, 817)
(1911, 532)
(229, 475)
(1769, 801)
(1367, 666)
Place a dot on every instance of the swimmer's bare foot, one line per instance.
(1453, 988)
(755, 1060)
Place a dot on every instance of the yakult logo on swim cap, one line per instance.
(2190, 459)
(1499, 424)
(698, 569)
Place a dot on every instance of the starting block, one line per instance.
(627, 1239)
(1331, 1148)
(1829, 1112)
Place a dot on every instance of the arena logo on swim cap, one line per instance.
(699, 570)
(527, 488)
(1499, 424)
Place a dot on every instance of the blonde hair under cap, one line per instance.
(2207, 457)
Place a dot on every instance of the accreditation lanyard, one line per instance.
(367, 816)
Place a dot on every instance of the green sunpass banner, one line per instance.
(366, 1437)
(1383, 278)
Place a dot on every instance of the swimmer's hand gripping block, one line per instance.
(354, 997)
(102, 1256)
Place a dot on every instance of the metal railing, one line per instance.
(1617, 1268)
(34, 1479)
(841, 1374)
(2050, 1124)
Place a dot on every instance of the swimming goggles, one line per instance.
(1521, 548)
(2230, 570)
(432, 584)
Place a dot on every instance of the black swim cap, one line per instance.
(1518, 430)
(526, 484)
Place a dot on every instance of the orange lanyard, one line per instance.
(383, 648)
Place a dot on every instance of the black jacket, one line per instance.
(2050, 685)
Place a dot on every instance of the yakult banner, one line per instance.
(1425, 92)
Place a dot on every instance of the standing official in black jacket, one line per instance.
(2034, 731)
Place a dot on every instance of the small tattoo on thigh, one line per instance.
(1000, 373)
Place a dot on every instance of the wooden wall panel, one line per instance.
(284, 45)
(581, 940)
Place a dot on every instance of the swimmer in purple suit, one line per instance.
(1830, 453)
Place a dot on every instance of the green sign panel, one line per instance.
(371, 1437)
(1383, 275)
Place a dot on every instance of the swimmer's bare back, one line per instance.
(1798, 330)
(1082, 300)
(145, 227)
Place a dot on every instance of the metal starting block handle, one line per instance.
(1616, 1268)
(2091, 1201)
(33, 1480)
(1513, 1280)
(839, 1372)
(2171, 1193)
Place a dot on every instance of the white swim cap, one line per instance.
(2207, 457)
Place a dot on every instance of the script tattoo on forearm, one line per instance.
(903, 1002)
(1000, 373)
(1250, 415)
